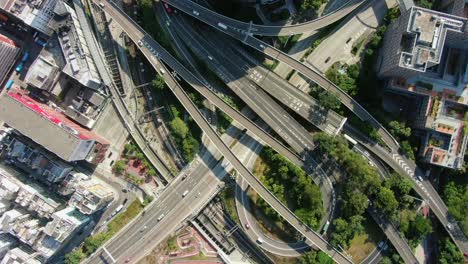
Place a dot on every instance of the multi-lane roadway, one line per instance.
(399, 163)
(148, 46)
(285, 30)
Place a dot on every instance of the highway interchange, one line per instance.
(149, 49)
(398, 162)
(139, 36)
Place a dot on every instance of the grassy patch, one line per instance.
(362, 245)
(122, 219)
(92, 243)
(288, 41)
(228, 195)
(172, 244)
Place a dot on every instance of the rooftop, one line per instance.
(70, 141)
(36, 13)
(423, 44)
(8, 53)
(79, 62)
(42, 73)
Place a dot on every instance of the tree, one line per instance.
(190, 147)
(386, 201)
(401, 186)
(75, 257)
(120, 166)
(328, 100)
(140, 156)
(94, 242)
(449, 253)
(129, 148)
(314, 257)
(311, 4)
(386, 260)
(399, 130)
(419, 228)
(151, 172)
(159, 83)
(179, 128)
(355, 204)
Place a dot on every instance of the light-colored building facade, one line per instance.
(90, 196)
(425, 56)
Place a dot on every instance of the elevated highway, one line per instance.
(392, 156)
(148, 48)
(263, 30)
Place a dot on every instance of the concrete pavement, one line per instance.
(283, 30)
(138, 35)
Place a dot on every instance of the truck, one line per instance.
(9, 84)
(221, 25)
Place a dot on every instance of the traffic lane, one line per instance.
(294, 249)
(326, 187)
(288, 215)
(194, 9)
(180, 212)
(320, 80)
(263, 192)
(250, 145)
(257, 99)
(221, 104)
(164, 206)
(168, 200)
(392, 234)
(322, 180)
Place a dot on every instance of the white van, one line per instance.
(185, 193)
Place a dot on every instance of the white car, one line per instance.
(196, 13)
(160, 217)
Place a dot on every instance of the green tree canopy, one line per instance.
(179, 128)
(386, 201)
(75, 257)
(449, 253)
(159, 83)
(328, 100)
(120, 166)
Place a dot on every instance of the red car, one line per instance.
(127, 260)
(168, 9)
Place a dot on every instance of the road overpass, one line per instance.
(264, 30)
(148, 49)
(399, 163)
(271, 245)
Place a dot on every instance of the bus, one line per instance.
(117, 210)
(9, 84)
(350, 139)
(25, 57)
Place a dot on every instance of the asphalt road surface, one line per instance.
(286, 30)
